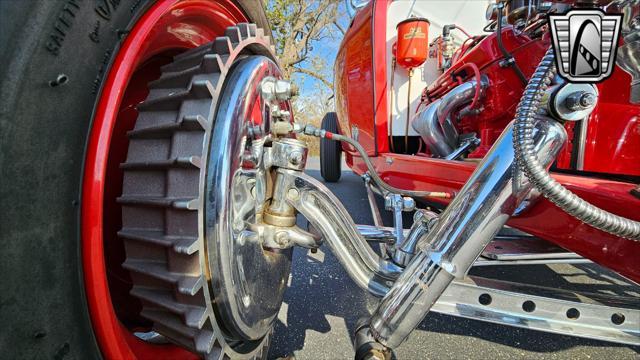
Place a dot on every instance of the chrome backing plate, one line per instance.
(247, 281)
(187, 198)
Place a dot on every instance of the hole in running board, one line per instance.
(528, 306)
(484, 299)
(573, 314)
(617, 318)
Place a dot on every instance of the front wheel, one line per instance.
(93, 263)
(202, 280)
(330, 150)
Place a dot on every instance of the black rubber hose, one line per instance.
(507, 55)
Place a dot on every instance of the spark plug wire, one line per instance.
(476, 74)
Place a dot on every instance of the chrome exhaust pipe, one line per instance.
(434, 123)
(426, 123)
(472, 219)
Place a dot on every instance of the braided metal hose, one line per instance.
(528, 108)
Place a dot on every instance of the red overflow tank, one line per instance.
(413, 42)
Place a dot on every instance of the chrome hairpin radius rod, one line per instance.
(467, 225)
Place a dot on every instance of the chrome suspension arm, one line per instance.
(327, 214)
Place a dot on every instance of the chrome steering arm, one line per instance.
(326, 213)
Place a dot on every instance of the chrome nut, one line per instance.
(285, 90)
(274, 89)
(408, 204)
(295, 158)
(282, 238)
(580, 101)
(572, 102)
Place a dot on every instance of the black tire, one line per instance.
(330, 150)
(43, 133)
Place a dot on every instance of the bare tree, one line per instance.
(298, 25)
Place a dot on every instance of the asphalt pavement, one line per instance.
(322, 306)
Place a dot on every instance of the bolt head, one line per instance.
(580, 100)
(282, 238)
(267, 88)
(295, 158)
(587, 100)
(635, 23)
(293, 194)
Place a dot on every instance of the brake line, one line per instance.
(313, 131)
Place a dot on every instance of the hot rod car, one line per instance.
(153, 176)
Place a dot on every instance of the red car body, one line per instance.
(612, 152)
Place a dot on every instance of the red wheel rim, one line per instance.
(166, 27)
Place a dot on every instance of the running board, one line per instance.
(496, 301)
